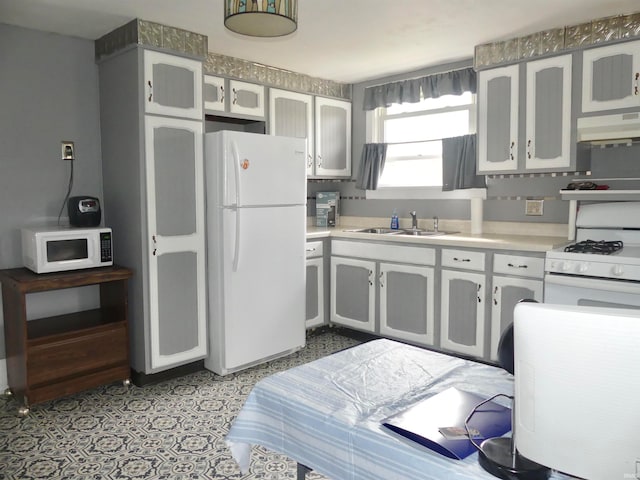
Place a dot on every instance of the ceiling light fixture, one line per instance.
(261, 18)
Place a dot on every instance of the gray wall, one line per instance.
(48, 93)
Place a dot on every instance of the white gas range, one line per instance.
(603, 267)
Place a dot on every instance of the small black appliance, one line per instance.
(84, 211)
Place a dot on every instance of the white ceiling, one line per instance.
(341, 40)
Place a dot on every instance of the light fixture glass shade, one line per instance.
(261, 18)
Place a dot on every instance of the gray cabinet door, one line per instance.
(291, 115)
(506, 292)
(176, 254)
(548, 116)
(609, 79)
(498, 107)
(172, 85)
(353, 293)
(333, 137)
(407, 302)
(315, 292)
(463, 317)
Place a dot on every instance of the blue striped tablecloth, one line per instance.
(327, 414)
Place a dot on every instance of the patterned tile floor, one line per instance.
(171, 430)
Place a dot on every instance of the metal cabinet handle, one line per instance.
(529, 149)
(221, 94)
(513, 144)
(517, 266)
(235, 96)
(319, 160)
(150, 98)
(635, 87)
(370, 275)
(381, 279)
(479, 295)
(495, 293)
(312, 249)
(309, 161)
(155, 249)
(456, 259)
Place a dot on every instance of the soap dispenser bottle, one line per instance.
(394, 221)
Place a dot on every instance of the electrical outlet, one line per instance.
(68, 151)
(533, 207)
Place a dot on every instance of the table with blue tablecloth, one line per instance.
(327, 414)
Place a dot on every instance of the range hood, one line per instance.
(605, 128)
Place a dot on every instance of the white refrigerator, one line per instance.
(256, 227)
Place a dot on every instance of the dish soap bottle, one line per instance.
(394, 221)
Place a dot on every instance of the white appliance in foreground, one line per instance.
(256, 227)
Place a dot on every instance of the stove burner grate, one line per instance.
(601, 247)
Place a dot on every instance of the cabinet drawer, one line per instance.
(463, 259)
(518, 265)
(88, 351)
(314, 249)
(389, 253)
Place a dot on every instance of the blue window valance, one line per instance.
(411, 91)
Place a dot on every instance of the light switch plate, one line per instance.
(534, 207)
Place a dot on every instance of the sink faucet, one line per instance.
(435, 224)
(414, 220)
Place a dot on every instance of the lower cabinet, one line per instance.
(353, 293)
(462, 328)
(315, 297)
(407, 302)
(516, 278)
(388, 289)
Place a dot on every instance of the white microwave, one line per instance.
(56, 249)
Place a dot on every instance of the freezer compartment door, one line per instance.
(262, 170)
(264, 283)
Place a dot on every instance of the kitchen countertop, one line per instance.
(529, 243)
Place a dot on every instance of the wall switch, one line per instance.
(533, 207)
(68, 151)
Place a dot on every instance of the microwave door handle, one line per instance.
(236, 168)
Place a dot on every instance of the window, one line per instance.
(414, 133)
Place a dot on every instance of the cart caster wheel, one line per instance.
(126, 383)
(8, 393)
(23, 411)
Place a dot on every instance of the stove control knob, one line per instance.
(618, 270)
(582, 267)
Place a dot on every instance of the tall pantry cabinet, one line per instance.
(152, 125)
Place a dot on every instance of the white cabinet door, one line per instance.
(462, 312)
(214, 94)
(353, 293)
(407, 302)
(172, 85)
(498, 119)
(506, 293)
(291, 115)
(611, 77)
(548, 116)
(333, 137)
(246, 98)
(315, 292)
(176, 244)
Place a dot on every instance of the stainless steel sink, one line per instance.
(425, 233)
(379, 230)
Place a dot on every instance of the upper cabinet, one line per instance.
(173, 85)
(611, 77)
(225, 96)
(291, 115)
(498, 119)
(333, 138)
(548, 116)
(328, 132)
(545, 117)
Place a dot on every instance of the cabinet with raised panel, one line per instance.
(611, 77)
(233, 97)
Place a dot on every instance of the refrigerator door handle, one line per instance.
(236, 168)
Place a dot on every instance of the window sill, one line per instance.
(428, 193)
